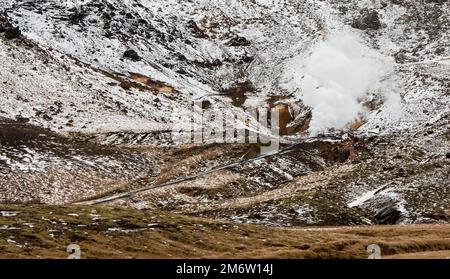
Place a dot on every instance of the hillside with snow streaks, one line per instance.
(90, 91)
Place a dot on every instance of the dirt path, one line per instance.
(107, 199)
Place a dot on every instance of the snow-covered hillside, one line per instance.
(105, 81)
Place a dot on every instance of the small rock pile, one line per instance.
(7, 29)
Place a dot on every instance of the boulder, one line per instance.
(388, 215)
(238, 41)
(132, 55)
(12, 32)
(369, 19)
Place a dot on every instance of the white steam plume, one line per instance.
(333, 79)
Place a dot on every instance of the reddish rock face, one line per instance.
(285, 117)
(357, 124)
(157, 86)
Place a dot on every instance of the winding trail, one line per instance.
(212, 170)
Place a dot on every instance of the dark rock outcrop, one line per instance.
(6, 28)
(238, 41)
(195, 29)
(12, 32)
(132, 55)
(369, 19)
(388, 215)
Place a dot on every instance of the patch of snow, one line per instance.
(9, 213)
(365, 197)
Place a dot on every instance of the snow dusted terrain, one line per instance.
(91, 89)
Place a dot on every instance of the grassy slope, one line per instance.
(44, 232)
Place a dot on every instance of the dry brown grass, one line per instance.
(175, 236)
(157, 86)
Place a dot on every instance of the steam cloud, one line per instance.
(334, 78)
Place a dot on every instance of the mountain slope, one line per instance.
(90, 91)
